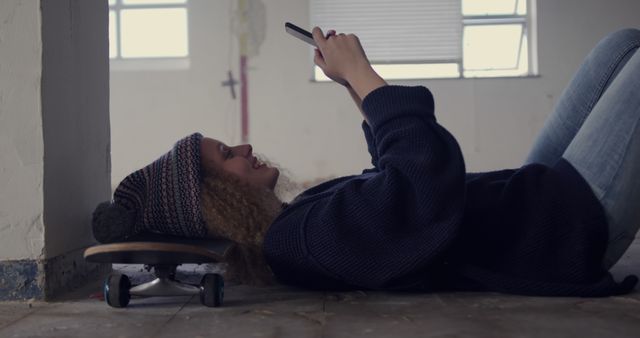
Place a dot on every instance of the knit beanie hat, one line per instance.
(163, 197)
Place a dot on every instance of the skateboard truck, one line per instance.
(118, 290)
(165, 284)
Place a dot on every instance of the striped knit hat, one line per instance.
(163, 197)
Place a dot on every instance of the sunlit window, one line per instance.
(496, 38)
(148, 29)
(492, 38)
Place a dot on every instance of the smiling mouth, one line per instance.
(257, 164)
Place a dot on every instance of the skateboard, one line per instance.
(163, 254)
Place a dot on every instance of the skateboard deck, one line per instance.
(155, 249)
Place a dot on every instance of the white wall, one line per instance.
(21, 145)
(313, 129)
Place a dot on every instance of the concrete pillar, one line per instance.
(54, 142)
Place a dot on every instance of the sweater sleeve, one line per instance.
(371, 143)
(375, 231)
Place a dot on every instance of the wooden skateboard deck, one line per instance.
(158, 250)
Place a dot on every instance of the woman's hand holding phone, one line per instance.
(343, 60)
(322, 63)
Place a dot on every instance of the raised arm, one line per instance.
(343, 60)
(357, 101)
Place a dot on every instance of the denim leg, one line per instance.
(593, 77)
(606, 152)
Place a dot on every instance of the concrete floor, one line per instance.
(287, 312)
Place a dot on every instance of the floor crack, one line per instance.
(324, 303)
(324, 313)
(157, 332)
(37, 309)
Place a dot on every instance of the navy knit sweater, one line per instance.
(417, 221)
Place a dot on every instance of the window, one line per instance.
(148, 29)
(408, 39)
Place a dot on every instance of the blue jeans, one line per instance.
(595, 127)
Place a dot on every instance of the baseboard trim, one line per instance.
(47, 279)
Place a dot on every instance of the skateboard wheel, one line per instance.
(116, 290)
(212, 290)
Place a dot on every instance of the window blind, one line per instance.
(398, 31)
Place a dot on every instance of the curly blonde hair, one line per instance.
(242, 213)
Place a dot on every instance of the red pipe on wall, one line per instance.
(244, 99)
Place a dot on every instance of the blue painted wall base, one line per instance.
(19, 280)
(47, 279)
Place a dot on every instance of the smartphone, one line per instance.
(299, 33)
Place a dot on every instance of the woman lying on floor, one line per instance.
(417, 220)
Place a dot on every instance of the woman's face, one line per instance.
(239, 161)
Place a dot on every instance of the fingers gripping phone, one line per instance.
(300, 33)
